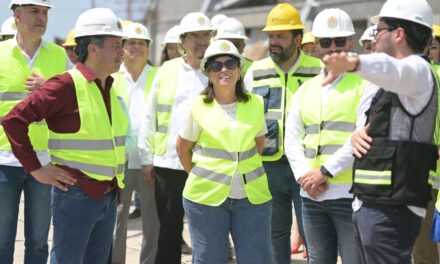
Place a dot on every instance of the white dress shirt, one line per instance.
(190, 84)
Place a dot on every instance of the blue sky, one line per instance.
(62, 18)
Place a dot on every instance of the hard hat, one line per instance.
(217, 20)
(230, 28)
(283, 17)
(435, 31)
(98, 21)
(8, 27)
(136, 31)
(308, 38)
(419, 11)
(332, 23)
(172, 35)
(70, 40)
(126, 22)
(196, 21)
(45, 3)
(368, 35)
(220, 47)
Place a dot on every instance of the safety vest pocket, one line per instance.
(372, 175)
(272, 140)
(263, 91)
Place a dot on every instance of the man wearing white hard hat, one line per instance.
(366, 40)
(132, 84)
(395, 150)
(170, 45)
(26, 61)
(87, 132)
(176, 83)
(277, 78)
(8, 29)
(232, 30)
(320, 120)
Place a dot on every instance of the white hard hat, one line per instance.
(45, 3)
(418, 11)
(196, 21)
(332, 23)
(220, 47)
(172, 35)
(8, 27)
(217, 20)
(230, 28)
(368, 35)
(98, 21)
(136, 31)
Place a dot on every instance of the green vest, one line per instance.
(98, 148)
(222, 148)
(329, 124)
(434, 176)
(13, 72)
(169, 74)
(120, 85)
(277, 89)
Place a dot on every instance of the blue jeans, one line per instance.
(249, 225)
(284, 189)
(14, 181)
(328, 226)
(83, 228)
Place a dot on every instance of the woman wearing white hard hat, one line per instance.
(170, 45)
(220, 145)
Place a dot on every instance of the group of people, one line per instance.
(350, 140)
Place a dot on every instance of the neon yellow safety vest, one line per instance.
(434, 176)
(222, 148)
(120, 85)
(277, 89)
(329, 124)
(169, 74)
(247, 63)
(13, 72)
(98, 148)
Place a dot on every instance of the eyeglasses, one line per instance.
(378, 30)
(327, 42)
(217, 66)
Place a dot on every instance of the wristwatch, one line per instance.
(325, 172)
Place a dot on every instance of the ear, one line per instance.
(298, 40)
(399, 35)
(91, 49)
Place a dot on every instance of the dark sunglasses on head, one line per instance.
(327, 42)
(217, 66)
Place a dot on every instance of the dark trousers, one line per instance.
(168, 192)
(386, 234)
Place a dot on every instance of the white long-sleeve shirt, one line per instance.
(190, 83)
(410, 78)
(136, 107)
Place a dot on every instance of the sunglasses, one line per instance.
(327, 42)
(217, 66)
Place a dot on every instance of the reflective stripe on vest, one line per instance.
(277, 88)
(328, 125)
(224, 148)
(373, 177)
(169, 74)
(14, 69)
(97, 149)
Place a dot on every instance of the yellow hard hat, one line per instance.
(70, 40)
(283, 17)
(436, 31)
(308, 38)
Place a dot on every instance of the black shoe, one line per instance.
(135, 214)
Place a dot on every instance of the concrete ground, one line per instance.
(134, 237)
